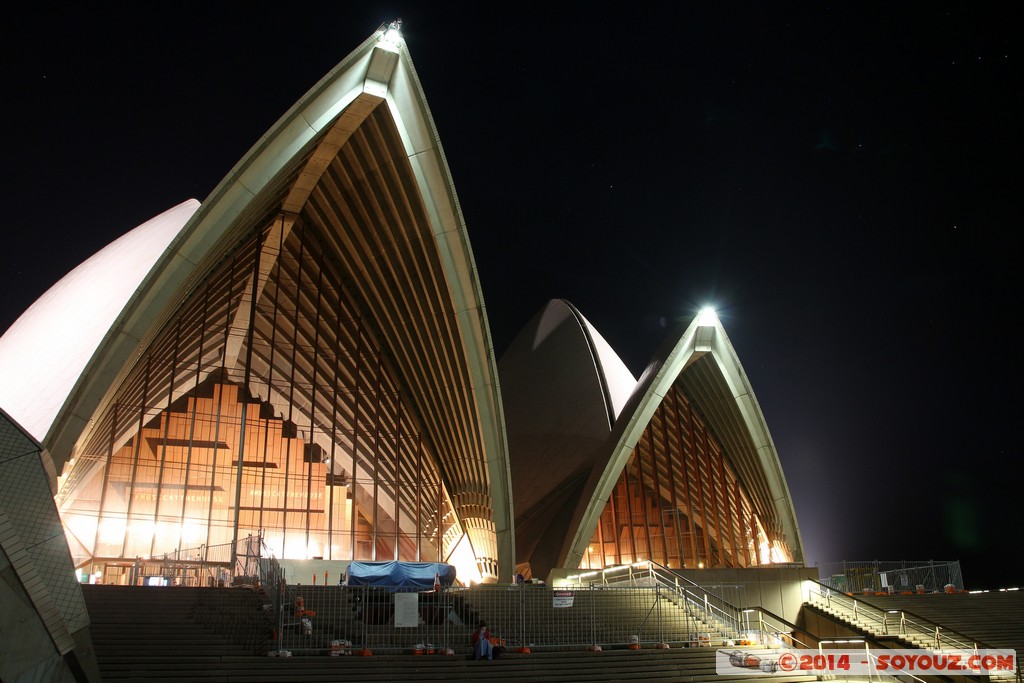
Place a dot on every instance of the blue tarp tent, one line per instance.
(394, 575)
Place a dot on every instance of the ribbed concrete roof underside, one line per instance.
(372, 183)
(368, 202)
(704, 383)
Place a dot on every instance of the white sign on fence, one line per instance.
(561, 598)
(407, 610)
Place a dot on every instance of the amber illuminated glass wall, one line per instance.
(266, 405)
(678, 501)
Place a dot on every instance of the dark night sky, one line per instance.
(836, 179)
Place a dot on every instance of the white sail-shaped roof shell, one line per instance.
(705, 361)
(283, 169)
(45, 352)
(575, 415)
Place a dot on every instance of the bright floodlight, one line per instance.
(393, 33)
(707, 316)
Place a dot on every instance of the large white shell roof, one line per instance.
(43, 354)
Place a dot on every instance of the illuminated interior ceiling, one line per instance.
(704, 360)
(359, 157)
(679, 501)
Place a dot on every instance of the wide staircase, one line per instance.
(940, 621)
(991, 620)
(163, 634)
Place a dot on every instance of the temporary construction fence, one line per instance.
(900, 576)
(669, 611)
(203, 565)
(361, 619)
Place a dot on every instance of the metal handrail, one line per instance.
(785, 627)
(729, 613)
(715, 609)
(863, 611)
(724, 613)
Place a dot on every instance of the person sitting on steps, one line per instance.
(482, 643)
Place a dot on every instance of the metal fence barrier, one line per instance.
(901, 576)
(319, 619)
(204, 565)
(642, 608)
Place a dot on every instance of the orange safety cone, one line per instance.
(437, 582)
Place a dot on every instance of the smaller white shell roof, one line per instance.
(733, 412)
(45, 351)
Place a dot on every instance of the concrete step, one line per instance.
(650, 665)
(208, 636)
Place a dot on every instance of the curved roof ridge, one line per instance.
(617, 382)
(704, 336)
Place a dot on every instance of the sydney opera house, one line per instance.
(306, 354)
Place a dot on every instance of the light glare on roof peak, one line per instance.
(707, 316)
(393, 33)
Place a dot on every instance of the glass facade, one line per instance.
(679, 502)
(267, 404)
